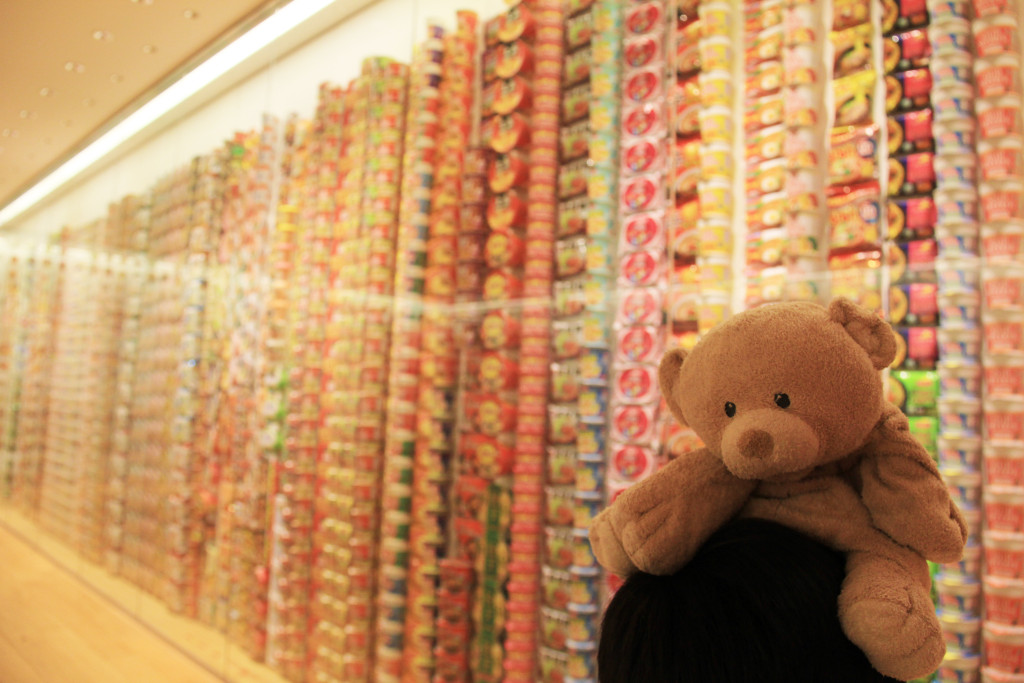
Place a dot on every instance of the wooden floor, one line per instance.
(63, 620)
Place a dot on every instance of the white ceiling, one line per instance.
(71, 68)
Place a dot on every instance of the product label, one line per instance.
(997, 80)
(1000, 163)
(994, 40)
(1000, 206)
(917, 125)
(987, 8)
(920, 213)
(999, 121)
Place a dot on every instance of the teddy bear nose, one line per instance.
(756, 444)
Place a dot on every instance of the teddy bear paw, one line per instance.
(608, 548)
(901, 637)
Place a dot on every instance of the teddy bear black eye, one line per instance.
(782, 400)
(730, 408)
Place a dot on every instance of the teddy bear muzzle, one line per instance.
(766, 444)
(756, 444)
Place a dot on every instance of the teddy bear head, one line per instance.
(781, 389)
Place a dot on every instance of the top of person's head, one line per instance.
(757, 604)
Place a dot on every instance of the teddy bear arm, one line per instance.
(905, 494)
(660, 522)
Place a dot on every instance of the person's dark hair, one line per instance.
(757, 604)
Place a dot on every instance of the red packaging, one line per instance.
(506, 211)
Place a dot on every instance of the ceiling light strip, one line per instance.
(278, 24)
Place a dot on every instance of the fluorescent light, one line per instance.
(283, 20)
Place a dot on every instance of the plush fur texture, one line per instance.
(788, 401)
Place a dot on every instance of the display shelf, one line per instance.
(380, 367)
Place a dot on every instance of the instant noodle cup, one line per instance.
(957, 241)
(956, 206)
(715, 198)
(1000, 158)
(1002, 242)
(1004, 509)
(951, 34)
(1004, 418)
(716, 53)
(959, 667)
(999, 117)
(958, 594)
(1003, 288)
(1003, 332)
(960, 452)
(955, 135)
(964, 485)
(990, 675)
(957, 273)
(996, 35)
(998, 76)
(954, 102)
(1004, 554)
(952, 68)
(961, 632)
(715, 124)
(1004, 374)
(959, 307)
(960, 415)
(1003, 646)
(716, 89)
(956, 170)
(959, 378)
(1004, 464)
(941, 10)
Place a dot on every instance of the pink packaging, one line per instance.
(958, 594)
(1004, 554)
(640, 344)
(631, 463)
(1004, 509)
(636, 383)
(1004, 600)
(634, 423)
(1004, 464)
(1004, 647)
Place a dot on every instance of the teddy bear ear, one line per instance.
(668, 377)
(869, 331)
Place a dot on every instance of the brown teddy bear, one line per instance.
(788, 401)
